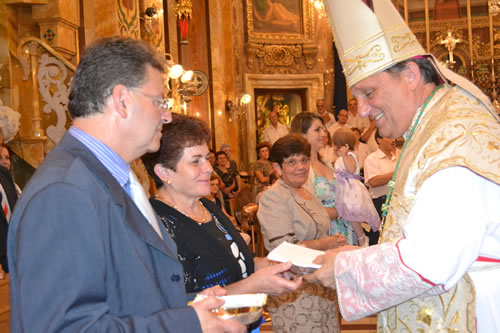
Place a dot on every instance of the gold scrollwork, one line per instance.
(283, 59)
(375, 54)
(425, 315)
(493, 146)
(309, 51)
(457, 24)
(252, 50)
(400, 42)
(183, 8)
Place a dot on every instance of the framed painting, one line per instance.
(279, 21)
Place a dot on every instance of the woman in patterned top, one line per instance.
(209, 247)
(289, 212)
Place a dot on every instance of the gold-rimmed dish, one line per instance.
(244, 308)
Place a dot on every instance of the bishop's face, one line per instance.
(386, 99)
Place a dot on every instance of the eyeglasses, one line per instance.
(160, 103)
(294, 162)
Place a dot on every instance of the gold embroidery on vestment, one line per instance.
(425, 316)
(455, 130)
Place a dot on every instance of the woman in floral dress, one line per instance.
(321, 177)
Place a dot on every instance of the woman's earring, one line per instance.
(168, 181)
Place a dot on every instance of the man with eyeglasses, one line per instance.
(86, 250)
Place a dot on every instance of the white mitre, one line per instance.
(370, 41)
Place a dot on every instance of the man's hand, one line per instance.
(326, 273)
(210, 322)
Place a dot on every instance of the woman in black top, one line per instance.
(214, 194)
(209, 247)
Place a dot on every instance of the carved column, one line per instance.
(37, 128)
(59, 22)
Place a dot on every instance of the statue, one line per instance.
(9, 119)
(450, 43)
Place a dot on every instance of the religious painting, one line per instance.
(277, 16)
(287, 103)
(280, 21)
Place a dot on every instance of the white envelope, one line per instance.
(299, 255)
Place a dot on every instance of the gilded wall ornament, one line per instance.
(283, 59)
(444, 25)
(309, 51)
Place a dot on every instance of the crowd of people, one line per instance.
(9, 193)
(411, 233)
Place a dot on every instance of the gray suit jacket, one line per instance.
(84, 259)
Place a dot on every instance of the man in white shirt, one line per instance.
(366, 126)
(354, 119)
(379, 167)
(368, 136)
(328, 118)
(362, 150)
(342, 121)
(275, 129)
(378, 170)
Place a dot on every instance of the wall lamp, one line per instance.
(237, 108)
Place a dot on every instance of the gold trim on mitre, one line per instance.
(369, 41)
